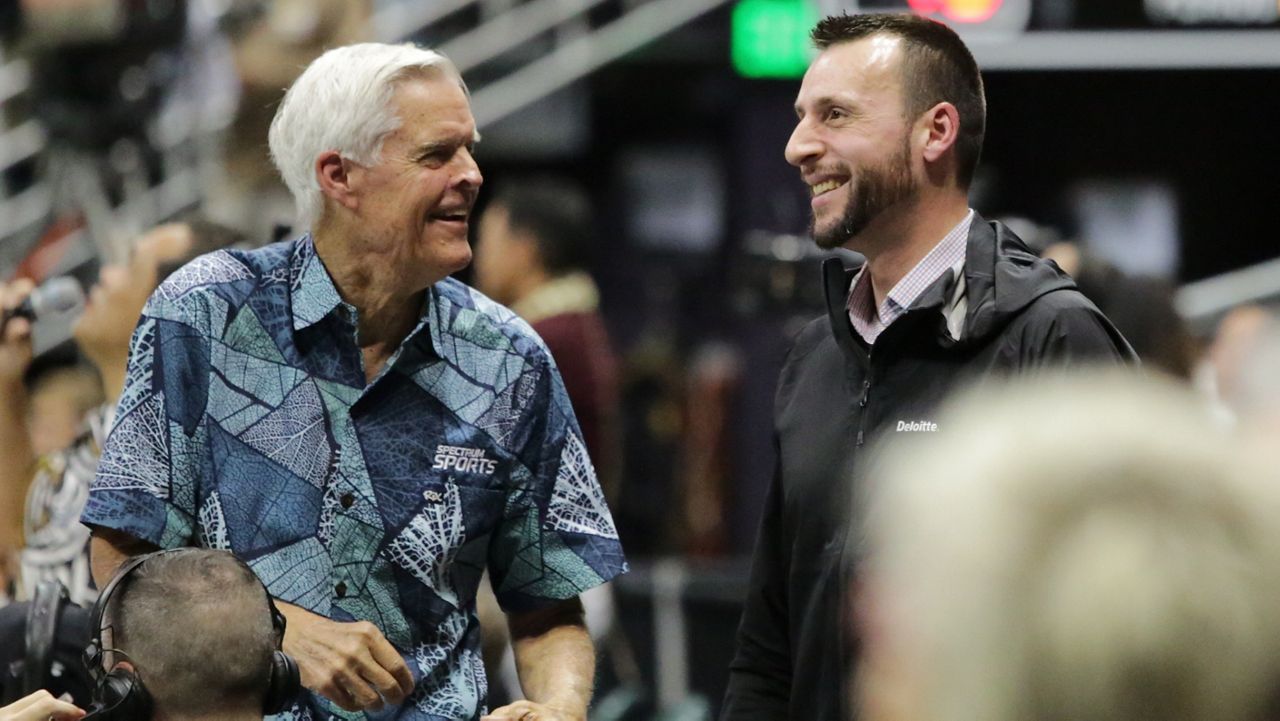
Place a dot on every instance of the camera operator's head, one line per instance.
(189, 634)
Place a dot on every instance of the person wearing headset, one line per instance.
(178, 635)
(186, 634)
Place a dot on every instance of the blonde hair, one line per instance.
(1079, 548)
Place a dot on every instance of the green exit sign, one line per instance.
(770, 38)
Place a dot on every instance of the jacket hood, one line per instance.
(1002, 277)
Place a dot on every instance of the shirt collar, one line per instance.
(313, 296)
(946, 255)
(312, 293)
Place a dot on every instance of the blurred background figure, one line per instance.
(1244, 366)
(533, 253)
(61, 388)
(43, 493)
(1133, 580)
(44, 483)
(1142, 308)
(272, 41)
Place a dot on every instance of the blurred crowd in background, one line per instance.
(641, 217)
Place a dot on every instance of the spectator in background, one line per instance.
(271, 44)
(533, 251)
(1134, 581)
(60, 394)
(1244, 360)
(47, 526)
(1141, 307)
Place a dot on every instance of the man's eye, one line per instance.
(836, 114)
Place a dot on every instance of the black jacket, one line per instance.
(834, 397)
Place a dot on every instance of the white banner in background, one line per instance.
(1188, 12)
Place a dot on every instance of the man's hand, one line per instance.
(15, 341)
(40, 706)
(351, 664)
(530, 711)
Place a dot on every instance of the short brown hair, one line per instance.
(936, 67)
(197, 625)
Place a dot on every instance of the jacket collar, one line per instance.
(1001, 276)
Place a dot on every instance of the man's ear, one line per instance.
(940, 128)
(334, 172)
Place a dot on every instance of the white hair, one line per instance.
(1077, 549)
(342, 102)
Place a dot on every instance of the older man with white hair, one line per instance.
(1122, 565)
(366, 432)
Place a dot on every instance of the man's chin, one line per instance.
(833, 236)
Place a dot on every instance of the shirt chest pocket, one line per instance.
(445, 541)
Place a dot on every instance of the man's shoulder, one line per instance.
(1057, 305)
(223, 278)
(467, 314)
(1065, 320)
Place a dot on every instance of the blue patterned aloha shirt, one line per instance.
(246, 423)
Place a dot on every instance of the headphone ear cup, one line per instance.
(284, 685)
(123, 697)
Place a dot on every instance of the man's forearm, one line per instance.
(555, 657)
(109, 549)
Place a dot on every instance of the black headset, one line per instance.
(119, 694)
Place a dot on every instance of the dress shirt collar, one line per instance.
(869, 321)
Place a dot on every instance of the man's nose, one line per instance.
(469, 173)
(803, 145)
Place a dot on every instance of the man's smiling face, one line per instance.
(851, 141)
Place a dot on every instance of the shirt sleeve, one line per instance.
(557, 537)
(146, 483)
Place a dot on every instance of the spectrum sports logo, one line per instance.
(463, 460)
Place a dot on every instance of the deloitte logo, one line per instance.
(916, 426)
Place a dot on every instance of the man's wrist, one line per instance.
(569, 705)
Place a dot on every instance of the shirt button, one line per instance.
(341, 589)
(347, 500)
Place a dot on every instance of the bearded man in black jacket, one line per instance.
(891, 117)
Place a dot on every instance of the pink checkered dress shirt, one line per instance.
(870, 321)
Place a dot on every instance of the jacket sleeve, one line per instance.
(1068, 330)
(760, 674)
